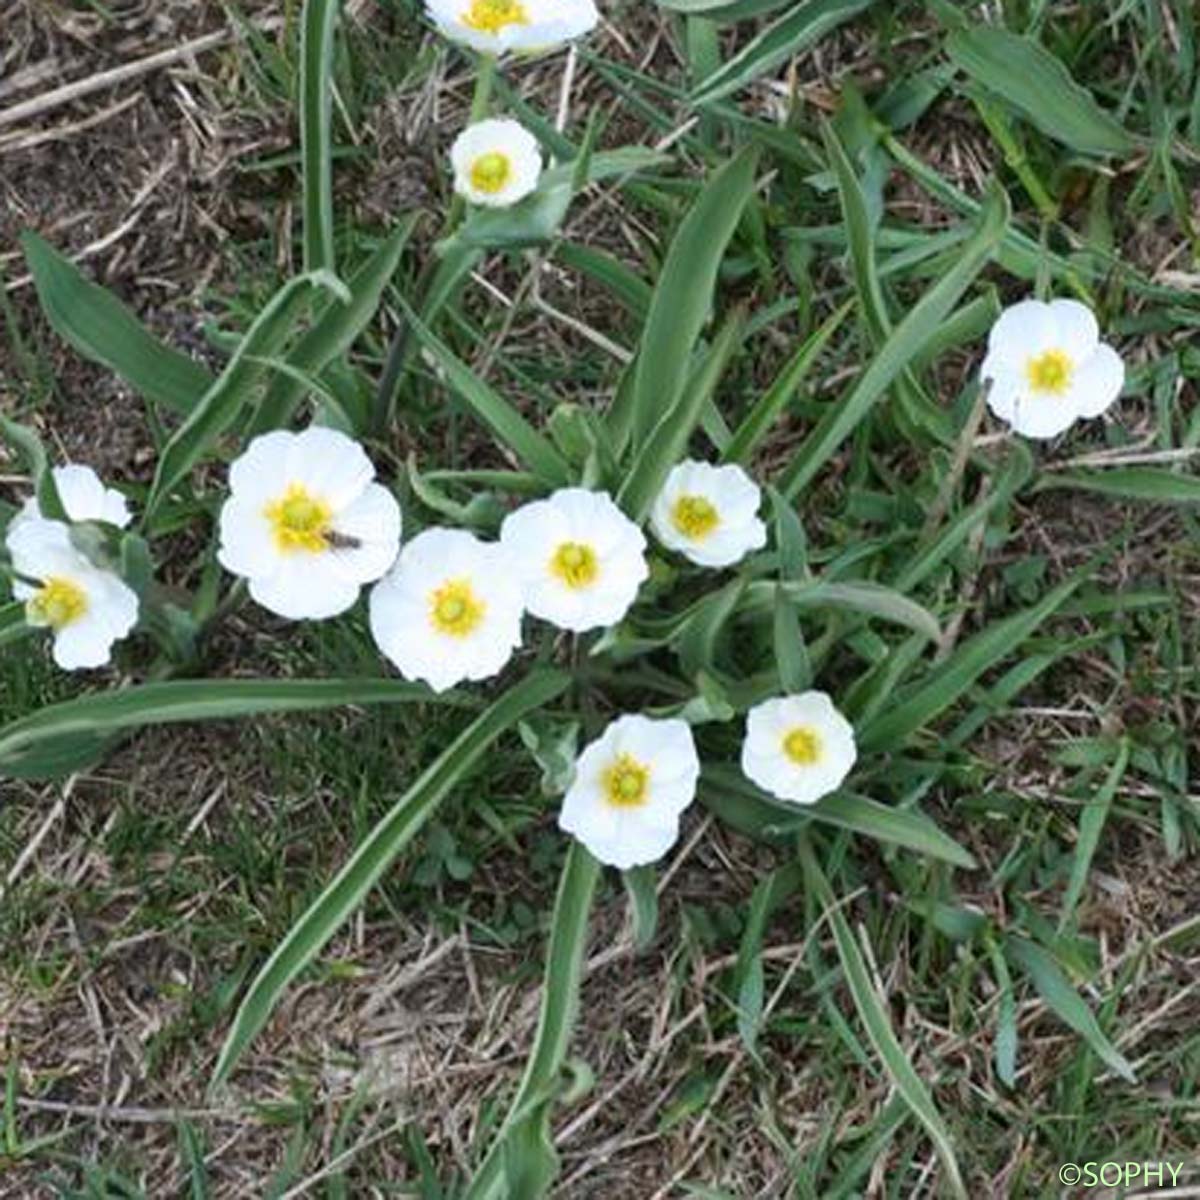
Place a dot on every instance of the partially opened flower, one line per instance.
(580, 559)
(497, 26)
(1047, 367)
(629, 789)
(496, 162)
(709, 514)
(305, 524)
(449, 610)
(84, 498)
(799, 747)
(85, 607)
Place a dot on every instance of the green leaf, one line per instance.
(534, 450)
(684, 292)
(918, 705)
(758, 421)
(105, 713)
(1037, 84)
(1132, 483)
(316, 149)
(873, 1012)
(641, 886)
(739, 803)
(667, 443)
(103, 330)
(866, 599)
(904, 344)
(1064, 1001)
(225, 399)
(1091, 826)
(350, 885)
(29, 449)
(334, 330)
(802, 25)
(522, 1149)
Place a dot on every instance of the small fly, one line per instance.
(341, 541)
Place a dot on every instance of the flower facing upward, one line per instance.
(496, 162)
(305, 524)
(1047, 367)
(798, 748)
(449, 610)
(84, 498)
(497, 26)
(709, 514)
(629, 789)
(579, 558)
(85, 608)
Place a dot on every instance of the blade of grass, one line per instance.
(316, 150)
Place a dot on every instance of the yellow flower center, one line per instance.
(803, 746)
(57, 603)
(299, 520)
(1050, 372)
(491, 16)
(455, 609)
(491, 172)
(575, 564)
(626, 783)
(695, 517)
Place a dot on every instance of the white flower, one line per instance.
(496, 162)
(496, 26)
(798, 748)
(449, 610)
(579, 558)
(85, 607)
(629, 789)
(709, 514)
(84, 498)
(305, 524)
(1048, 367)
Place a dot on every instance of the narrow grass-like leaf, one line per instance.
(873, 1012)
(1005, 1050)
(102, 329)
(684, 292)
(1091, 825)
(349, 887)
(1065, 1002)
(666, 445)
(1129, 483)
(758, 421)
(918, 705)
(623, 283)
(523, 1138)
(1037, 84)
(904, 344)
(866, 599)
(316, 149)
(534, 450)
(227, 396)
(802, 25)
(194, 700)
(335, 330)
(32, 453)
(729, 794)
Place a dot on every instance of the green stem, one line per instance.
(527, 1116)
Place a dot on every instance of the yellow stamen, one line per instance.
(57, 603)
(490, 16)
(575, 564)
(803, 746)
(455, 609)
(491, 172)
(1050, 371)
(695, 517)
(299, 520)
(626, 783)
